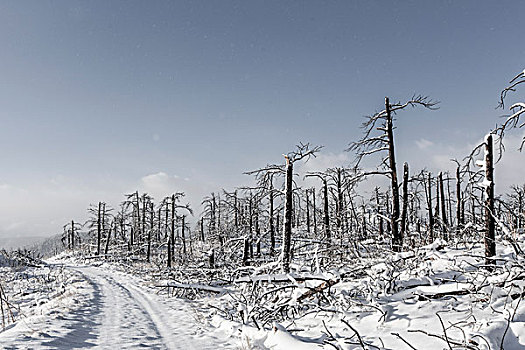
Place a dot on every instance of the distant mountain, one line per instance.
(10, 243)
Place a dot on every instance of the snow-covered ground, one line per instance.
(434, 297)
(104, 308)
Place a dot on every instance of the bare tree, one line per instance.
(383, 143)
(326, 213)
(302, 152)
(490, 240)
(517, 109)
(70, 233)
(174, 202)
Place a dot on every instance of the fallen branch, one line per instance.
(318, 289)
(423, 297)
(202, 287)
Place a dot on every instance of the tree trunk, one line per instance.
(430, 214)
(137, 206)
(287, 228)
(272, 228)
(438, 206)
(381, 230)
(159, 213)
(148, 254)
(173, 218)
(72, 234)
(143, 227)
(257, 231)
(307, 212)
(339, 206)
(490, 243)
(246, 252)
(449, 202)
(363, 224)
(211, 259)
(219, 216)
(326, 212)
(458, 199)
(202, 229)
(235, 209)
(314, 212)
(397, 240)
(106, 250)
(443, 206)
(99, 228)
(183, 235)
(405, 202)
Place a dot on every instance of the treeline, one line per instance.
(282, 221)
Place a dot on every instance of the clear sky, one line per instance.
(99, 98)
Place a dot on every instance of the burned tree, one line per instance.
(405, 203)
(488, 184)
(70, 233)
(371, 144)
(326, 212)
(518, 109)
(302, 152)
(173, 202)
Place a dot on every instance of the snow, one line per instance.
(385, 301)
(104, 308)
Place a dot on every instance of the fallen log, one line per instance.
(318, 289)
(193, 286)
(423, 297)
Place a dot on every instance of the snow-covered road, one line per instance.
(114, 312)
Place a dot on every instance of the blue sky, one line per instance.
(101, 97)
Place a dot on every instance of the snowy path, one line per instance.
(115, 314)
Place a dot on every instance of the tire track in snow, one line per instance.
(113, 311)
(133, 318)
(125, 323)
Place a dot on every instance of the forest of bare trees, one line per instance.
(246, 225)
(288, 228)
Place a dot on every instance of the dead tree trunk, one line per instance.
(364, 232)
(144, 208)
(235, 210)
(443, 207)
(490, 243)
(183, 235)
(250, 219)
(339, 206)
(72, 234)
(173, 218)
(246, 252)
(429, 208)
(171, 234)
(108, 238)
(307, 212)
(99, 227)
(326, 212)
(148, 254)
(272, 228)
(449, 202)
(458, 200)
(202, 229)
(287, 228)
(380, 224)
(397, 240)
(138, 227)
(257, 231)
(405, 202)
(437, 208)
(314, 212)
